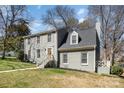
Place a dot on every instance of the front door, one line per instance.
(49, 53)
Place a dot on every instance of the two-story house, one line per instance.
(67, 48)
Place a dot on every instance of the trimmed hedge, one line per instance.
(116, 70)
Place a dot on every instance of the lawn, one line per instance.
(57, 78)
(13, 63)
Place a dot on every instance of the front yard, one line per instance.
(13, 63)
(52, 78)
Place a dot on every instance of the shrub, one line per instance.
(116, 70)
(20, 55)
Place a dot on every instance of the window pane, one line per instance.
(49, 37)
(38, 39)
(64, 58)
(38, 53)
(84, 58)
(74, 39)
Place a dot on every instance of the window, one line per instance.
(29, 53)
(84, 58)
(49, 37)
(65, 60)
(73, 39)
(38, 53)
(28, 40)
(38, 39)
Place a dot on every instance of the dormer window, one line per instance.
(74, 38)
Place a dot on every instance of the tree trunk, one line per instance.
(4, 45)
(105, 56)
(113, 55)
(112, 59)
(3, 55)
(113, 50)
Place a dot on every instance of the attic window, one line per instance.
(74, 38)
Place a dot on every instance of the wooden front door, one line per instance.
(49, 53)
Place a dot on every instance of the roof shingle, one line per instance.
(87, 37)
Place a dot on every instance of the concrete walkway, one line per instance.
(18, 70)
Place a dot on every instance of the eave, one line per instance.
(83, 48)
(41, 33)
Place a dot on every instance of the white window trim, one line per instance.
(84, 64)
(63, 59)
(74, 34)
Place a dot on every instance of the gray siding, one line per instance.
(74, 61)
(43, 46)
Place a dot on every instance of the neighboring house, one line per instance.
(68, 48)
(8, 54)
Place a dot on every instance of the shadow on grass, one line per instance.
(60, 71)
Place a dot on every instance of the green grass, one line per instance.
(57, 78)
(13, 63)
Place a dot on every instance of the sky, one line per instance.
(36, 12)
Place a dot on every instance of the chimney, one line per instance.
(98, 29)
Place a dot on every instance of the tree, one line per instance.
(87, 23)
(9, 16)
(60, 16)
(18, 30)
(111, 19)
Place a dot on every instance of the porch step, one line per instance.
(44, 62)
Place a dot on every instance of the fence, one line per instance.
(103, 68)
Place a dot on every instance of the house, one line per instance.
(43, 47)
(66, 48)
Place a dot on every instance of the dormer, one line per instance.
(74, 38)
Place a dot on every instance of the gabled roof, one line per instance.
(44, 32)
(40, 33)
(87, 38)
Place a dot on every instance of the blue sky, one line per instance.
(36, 12)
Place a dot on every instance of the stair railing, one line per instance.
(45, 61)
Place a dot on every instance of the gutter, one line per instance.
(41, 33)
(77, 48)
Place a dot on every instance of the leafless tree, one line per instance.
(60, 16)
(87, 23)
(112, 23)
